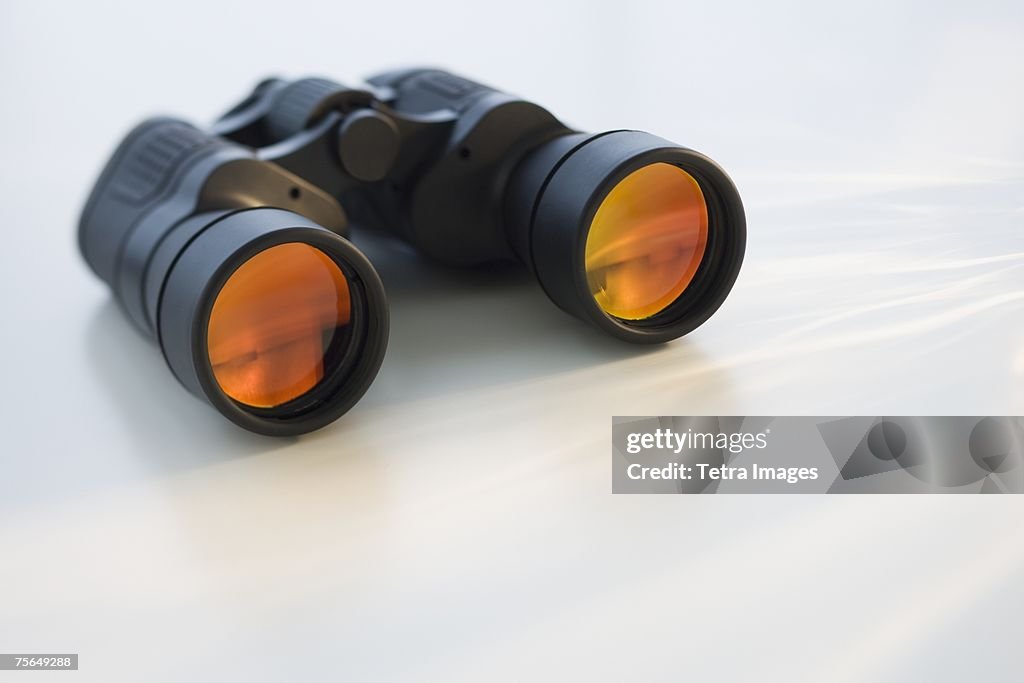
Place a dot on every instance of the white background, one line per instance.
(457, 524)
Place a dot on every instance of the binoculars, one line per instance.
(229, 246)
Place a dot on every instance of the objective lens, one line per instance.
(279, 325)
(646, 241)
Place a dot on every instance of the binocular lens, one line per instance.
(646, 241)
(629, 232)
(279, 325)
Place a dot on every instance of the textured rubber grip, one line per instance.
(427, 90)
(299, 104)
(153, 159)
(137, 175)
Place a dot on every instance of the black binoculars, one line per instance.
(228, 246)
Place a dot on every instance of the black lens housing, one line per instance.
(175, 213)
(553, 197)
(196, 279)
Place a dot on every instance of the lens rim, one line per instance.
(228, 244)
(569, 200)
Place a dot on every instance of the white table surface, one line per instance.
(458, 523)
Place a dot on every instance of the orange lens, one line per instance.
(274, 322)
(646, 241)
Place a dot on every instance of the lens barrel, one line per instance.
(166, 227)
(202, 269)
(550, 206)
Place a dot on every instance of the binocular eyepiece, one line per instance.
(229, 247)
(240, 271)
